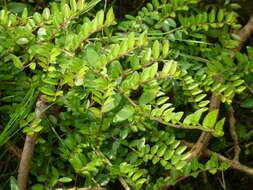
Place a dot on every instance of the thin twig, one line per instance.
(205, 136)
(15, 150)
(157, 119)
(233, 163)
(121, 179)
(233, 133)
(249, 88)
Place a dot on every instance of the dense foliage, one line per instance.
(122, 96)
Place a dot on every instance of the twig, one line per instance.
(233, 134)
(140, 6)
(122, 180)
(155, 118)
(15, 150)
(26, 157)
(249, 88)
(245, 33)
(233, 163)
(205, 136)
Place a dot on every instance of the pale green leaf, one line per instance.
(210, 119)
(124, 114)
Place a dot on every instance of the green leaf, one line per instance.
(220, 15)
(156, 49)
(141, 181)
(46, 13)
(65, 180)
(224, 166)
(14, 184)
(110, 17)
(171, 23)
(188, 119)
(66, 11)
(50, 81)
(212, 163)
(199, 97)
(155, 3)
(154, 149)
(173, 68)
(131, 40)
(218, 129)
(166, 68)
(47, 90)
(100, 18)
(180, 165)
(195, 164)
(210, 119)
(155, 160)
(96, 112)
(37, 187)
(76, 162)
(16, 7)
(166, 48)
(80, 4)
(146, 57)
(92, 57)
(168, 154)
(37, 18)
(197, 115)
(147, 97)
(32, 66)
(124, 114)
(212, 15)
(153, 70)
(24, 14)
(16, 61)
(115, 69)
(240, 89)
(247, 103)
(73, 5)
(113, 103)
(181, 149)
(161, 150)
(137, 175)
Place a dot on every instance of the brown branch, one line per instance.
(200, 146)
(233, 134)
(26, 157)
(233, 163)
(205, 136)
(7, 82)
(245, 33)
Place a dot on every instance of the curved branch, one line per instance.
(245, 32)
(233, 133)
(233, 163)
(205, 136)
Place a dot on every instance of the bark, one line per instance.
(28, 149)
